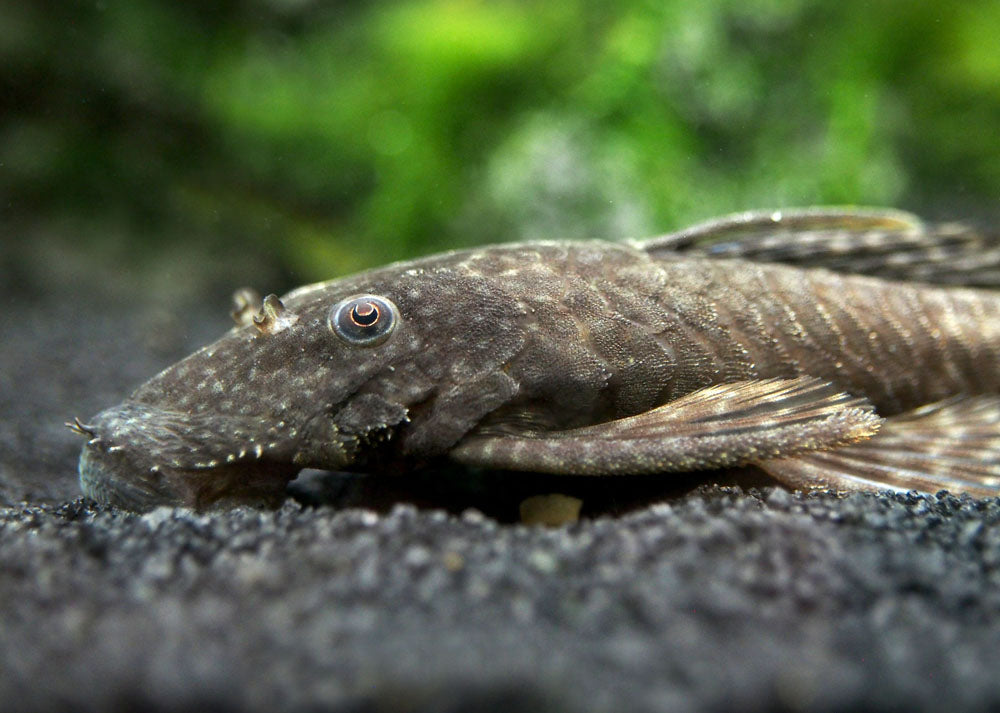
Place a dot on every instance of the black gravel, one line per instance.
(718, 599)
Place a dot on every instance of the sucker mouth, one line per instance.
(139, 457)
(104, 479)
(111, 475)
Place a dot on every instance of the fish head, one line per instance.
(324, 377)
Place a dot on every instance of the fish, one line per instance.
(835, 348)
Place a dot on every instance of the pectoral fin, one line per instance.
(883, 243)
(952, 445)
(719, 426)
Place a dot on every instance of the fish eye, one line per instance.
(363, 320)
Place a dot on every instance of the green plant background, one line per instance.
(331, 136)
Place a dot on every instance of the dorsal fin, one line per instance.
(883, 243)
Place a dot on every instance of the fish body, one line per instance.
(785, 341)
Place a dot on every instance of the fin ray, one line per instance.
(883, 243)
(950, 445)
(718, 426)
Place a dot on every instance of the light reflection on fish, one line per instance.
(836, 348)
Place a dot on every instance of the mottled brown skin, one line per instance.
(525, 340)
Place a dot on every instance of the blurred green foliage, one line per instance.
(337, 135)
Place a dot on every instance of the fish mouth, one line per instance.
(139, 457)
